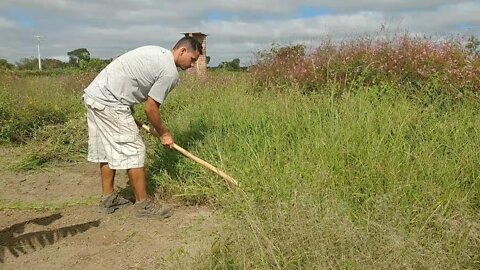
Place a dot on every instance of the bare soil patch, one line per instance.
(78, 237)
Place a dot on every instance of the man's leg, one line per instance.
(110, 200)
(144, 206)
(139, 184)
(108, 176)
(100, 120)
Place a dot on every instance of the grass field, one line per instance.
(364, 177)
(371, 179)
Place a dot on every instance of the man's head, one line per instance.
(186, 52)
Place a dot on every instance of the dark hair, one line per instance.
(192, 44)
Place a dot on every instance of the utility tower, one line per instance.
(39, 39)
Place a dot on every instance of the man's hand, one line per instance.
(166, 140)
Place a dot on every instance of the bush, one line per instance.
(401, 61)
(93, 65)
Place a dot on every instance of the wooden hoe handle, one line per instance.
(199, 161)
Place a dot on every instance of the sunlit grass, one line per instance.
(45, 115)
(45, 206)
(373, 178)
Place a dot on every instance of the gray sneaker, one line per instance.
(149, 209)
(113, 202)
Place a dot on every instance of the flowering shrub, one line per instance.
(400, 61)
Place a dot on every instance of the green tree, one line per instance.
(4, 64)
(232, 65)
(473, 45)
(77, 55)
(49, 63)
(32, 64)
(27, 63)
(208, 59)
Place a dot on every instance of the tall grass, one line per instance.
(364, 172)
(45, 115)
(372, 179)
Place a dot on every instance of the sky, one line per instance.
(235, 28)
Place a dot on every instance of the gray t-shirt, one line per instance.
(135, 75)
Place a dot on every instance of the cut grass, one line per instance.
(52, 144)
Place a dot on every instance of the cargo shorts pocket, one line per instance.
(126, 143)
(127, 134)
(89, 102)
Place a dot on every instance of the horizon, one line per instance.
(235, 29)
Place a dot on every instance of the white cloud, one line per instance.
(7, 24)
(239, 27)
(381, 5)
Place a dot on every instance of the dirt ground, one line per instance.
(51, 222)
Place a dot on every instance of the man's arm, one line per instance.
(153, 114)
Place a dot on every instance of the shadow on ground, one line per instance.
(17, 242)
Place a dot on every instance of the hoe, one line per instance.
(205, 164)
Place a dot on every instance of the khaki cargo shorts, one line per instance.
(113, 136)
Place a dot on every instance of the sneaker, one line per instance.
(112, 202)
(149, 209)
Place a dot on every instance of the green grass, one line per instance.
(52, 144)
(45, 116)
(19, 205)
(369, 179)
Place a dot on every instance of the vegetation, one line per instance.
(5, 65)
(473, 45)
(233, 65)
(80, 61)
(77, 55)
(358, 155)
(414, 64)
(370, 179)
(45, 115)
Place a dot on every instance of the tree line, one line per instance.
(78, 59)
(81, 59)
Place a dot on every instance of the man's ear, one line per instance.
(182, 50)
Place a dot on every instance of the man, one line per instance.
(146, 74)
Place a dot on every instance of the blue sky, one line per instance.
(21, 16)
(235, 28)
(311, 11)
(301, 12)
